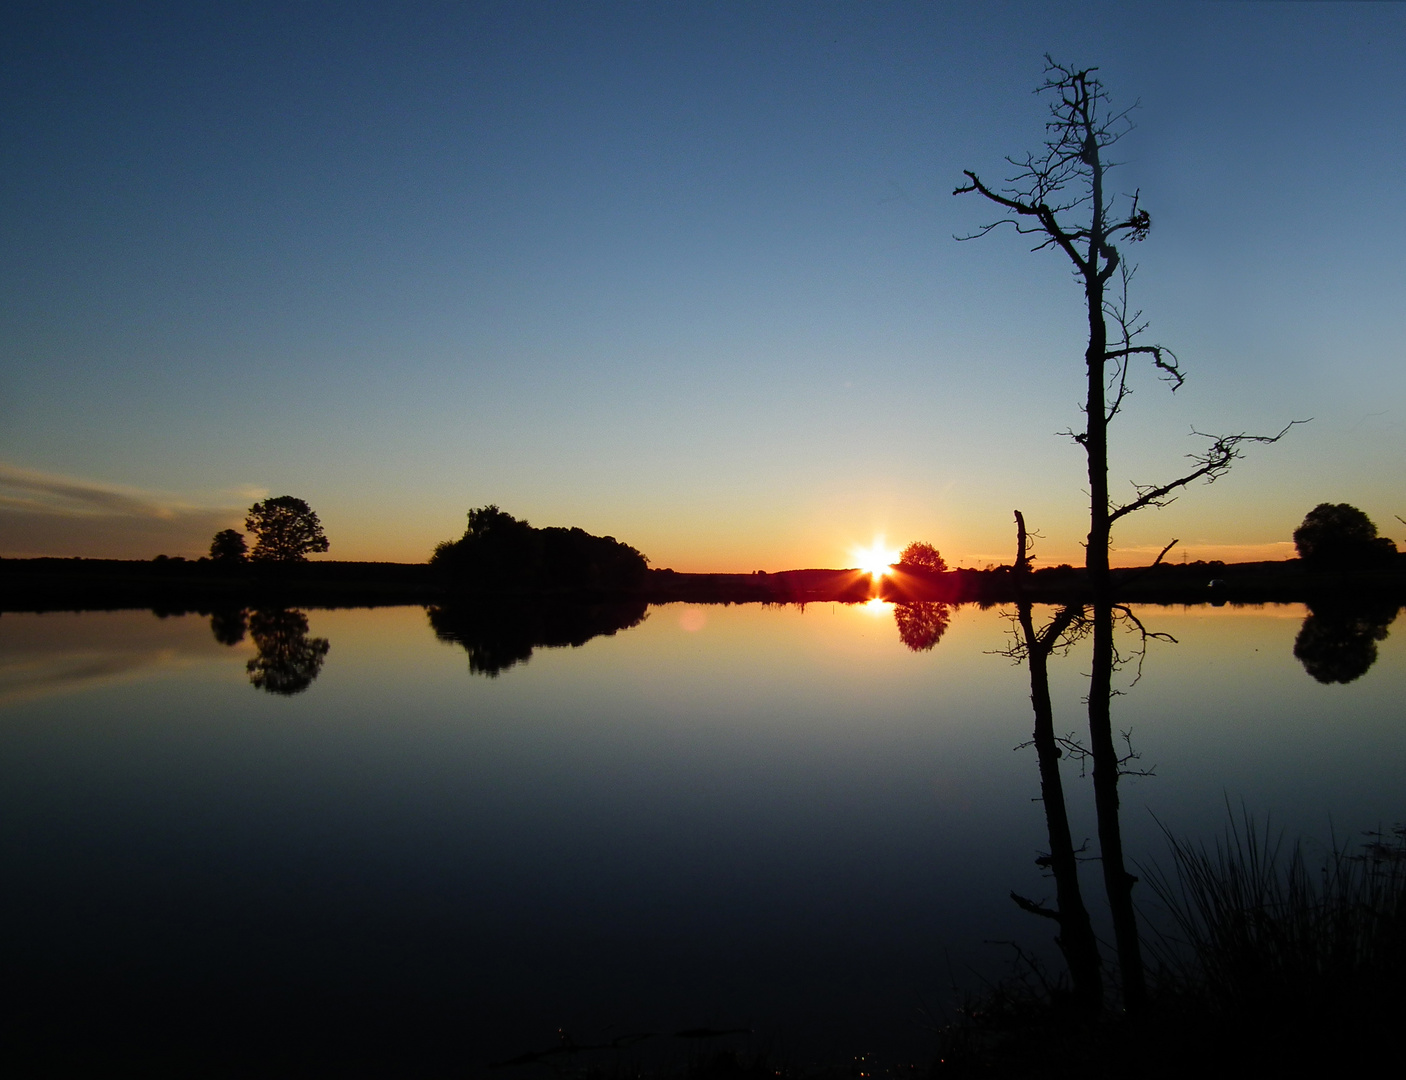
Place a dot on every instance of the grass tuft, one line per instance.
(1261, 935)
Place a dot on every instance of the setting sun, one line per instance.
(877, 559)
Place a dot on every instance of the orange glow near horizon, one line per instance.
(877, 559)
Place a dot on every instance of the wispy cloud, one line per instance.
(44, 513)
(35, 491)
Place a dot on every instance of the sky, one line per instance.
(681, 273)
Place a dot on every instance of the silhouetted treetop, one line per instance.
(920, 556)
(500, 553)
(229, 546)
(1342, 536)
(285, 530)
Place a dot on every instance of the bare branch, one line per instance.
(1132, 755)
(1149, 568)
(1035, 908)
(1212, 464)
(1027, 208)
(1131, 325)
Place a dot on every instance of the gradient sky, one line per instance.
(681, 273)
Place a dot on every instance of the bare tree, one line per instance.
(1059, 196)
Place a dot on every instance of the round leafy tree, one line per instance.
(285, 530)
(1336, 534)
(920, 556)
(229, 546)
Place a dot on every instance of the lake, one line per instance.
(388, 835)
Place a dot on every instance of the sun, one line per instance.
(877, 559)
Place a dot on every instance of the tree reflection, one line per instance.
(500, 636)
(229, 627)
(288, 660)
(922, 623)
(1076, 938)
(1338, 642)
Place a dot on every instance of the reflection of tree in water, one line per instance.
(229, 627)
(497, 636)
(921, 624)
(1338, 643)
(288, 659)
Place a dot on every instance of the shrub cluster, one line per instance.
(499, 553)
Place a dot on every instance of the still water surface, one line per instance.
(746, 816)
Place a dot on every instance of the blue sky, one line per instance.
(680, 273)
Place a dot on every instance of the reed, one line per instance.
(1261, 937)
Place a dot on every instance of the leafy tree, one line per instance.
(285, 530)
(229, 546)
(920, 556)
(1340, 535)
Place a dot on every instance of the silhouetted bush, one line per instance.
(502, 554)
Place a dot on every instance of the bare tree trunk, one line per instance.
(1117, 881)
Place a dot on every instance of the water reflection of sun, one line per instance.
(877, 606)
(877, 559)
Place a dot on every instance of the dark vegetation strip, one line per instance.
(96, 584)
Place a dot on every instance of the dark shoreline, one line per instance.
(38, 585)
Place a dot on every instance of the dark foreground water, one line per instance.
(334, 840)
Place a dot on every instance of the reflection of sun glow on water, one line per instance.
(877, 559)
(693, 619)
(877, 606)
